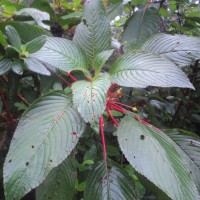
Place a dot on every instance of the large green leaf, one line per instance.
(154, 155)
(93, 34)
(144, 69)
(62, 54)
(26, 31)
(60, 183)
(90, 97)
(5, 66)
(180, 49)
(109, 183)
(45, 136)
(190, 144)
(13, 37)
(140, 26)
(38, 15)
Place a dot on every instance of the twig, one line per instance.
(4, 137)
(6, 105)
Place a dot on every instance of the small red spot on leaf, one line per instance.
(74, 134)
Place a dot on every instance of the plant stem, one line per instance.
(6, 105)
(101, 127)
(115, 107)
(71, 76)
(3, 117)
(62, 79)
(113, 119)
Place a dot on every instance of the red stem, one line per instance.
(22, 99)
(101, 127)
(123, 105)
(112, 87)
(71, 76)
(62, 79)
(115, 107)
(6, 105)
(113, 119)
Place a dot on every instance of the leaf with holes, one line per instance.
(180, 49)
(93, 34)
(140, 26)
(90, 97)
(5, 66)
(38, 15)
(142, 69)
(60, 183)
(153, 154)
(109, 182)
(62, 54)
(45, 136)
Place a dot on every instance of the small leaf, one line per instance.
(17, 67)
(76, 14)
(115, 10)
(13, 37)
(140, 26)
(109, 183)
(90, 97)
(101, 59)
(27, 32)
(62, 54)
(180, 49)
(38, 15)
(46, 134)
(60, 183)
(154, 155)
(93, 34)
(5, 66)
(142, 69)
(35, 66)
(3, 41)
(36, 44)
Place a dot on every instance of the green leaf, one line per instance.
(144, 69)
(154, 155)
(26, 31)
(109, 183)
(36, 44)
(115, 10)
(141, 26)
(17, 67)
(93, 34)
(38, 15)
(45, 136)
(76, 14)
(180, 49)
(60, 183)
(35, 66)
(5, 66)
(90, 97)
(3, 41)
(13, 37)
(101, 59)
(190, 144)
(62, 54)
